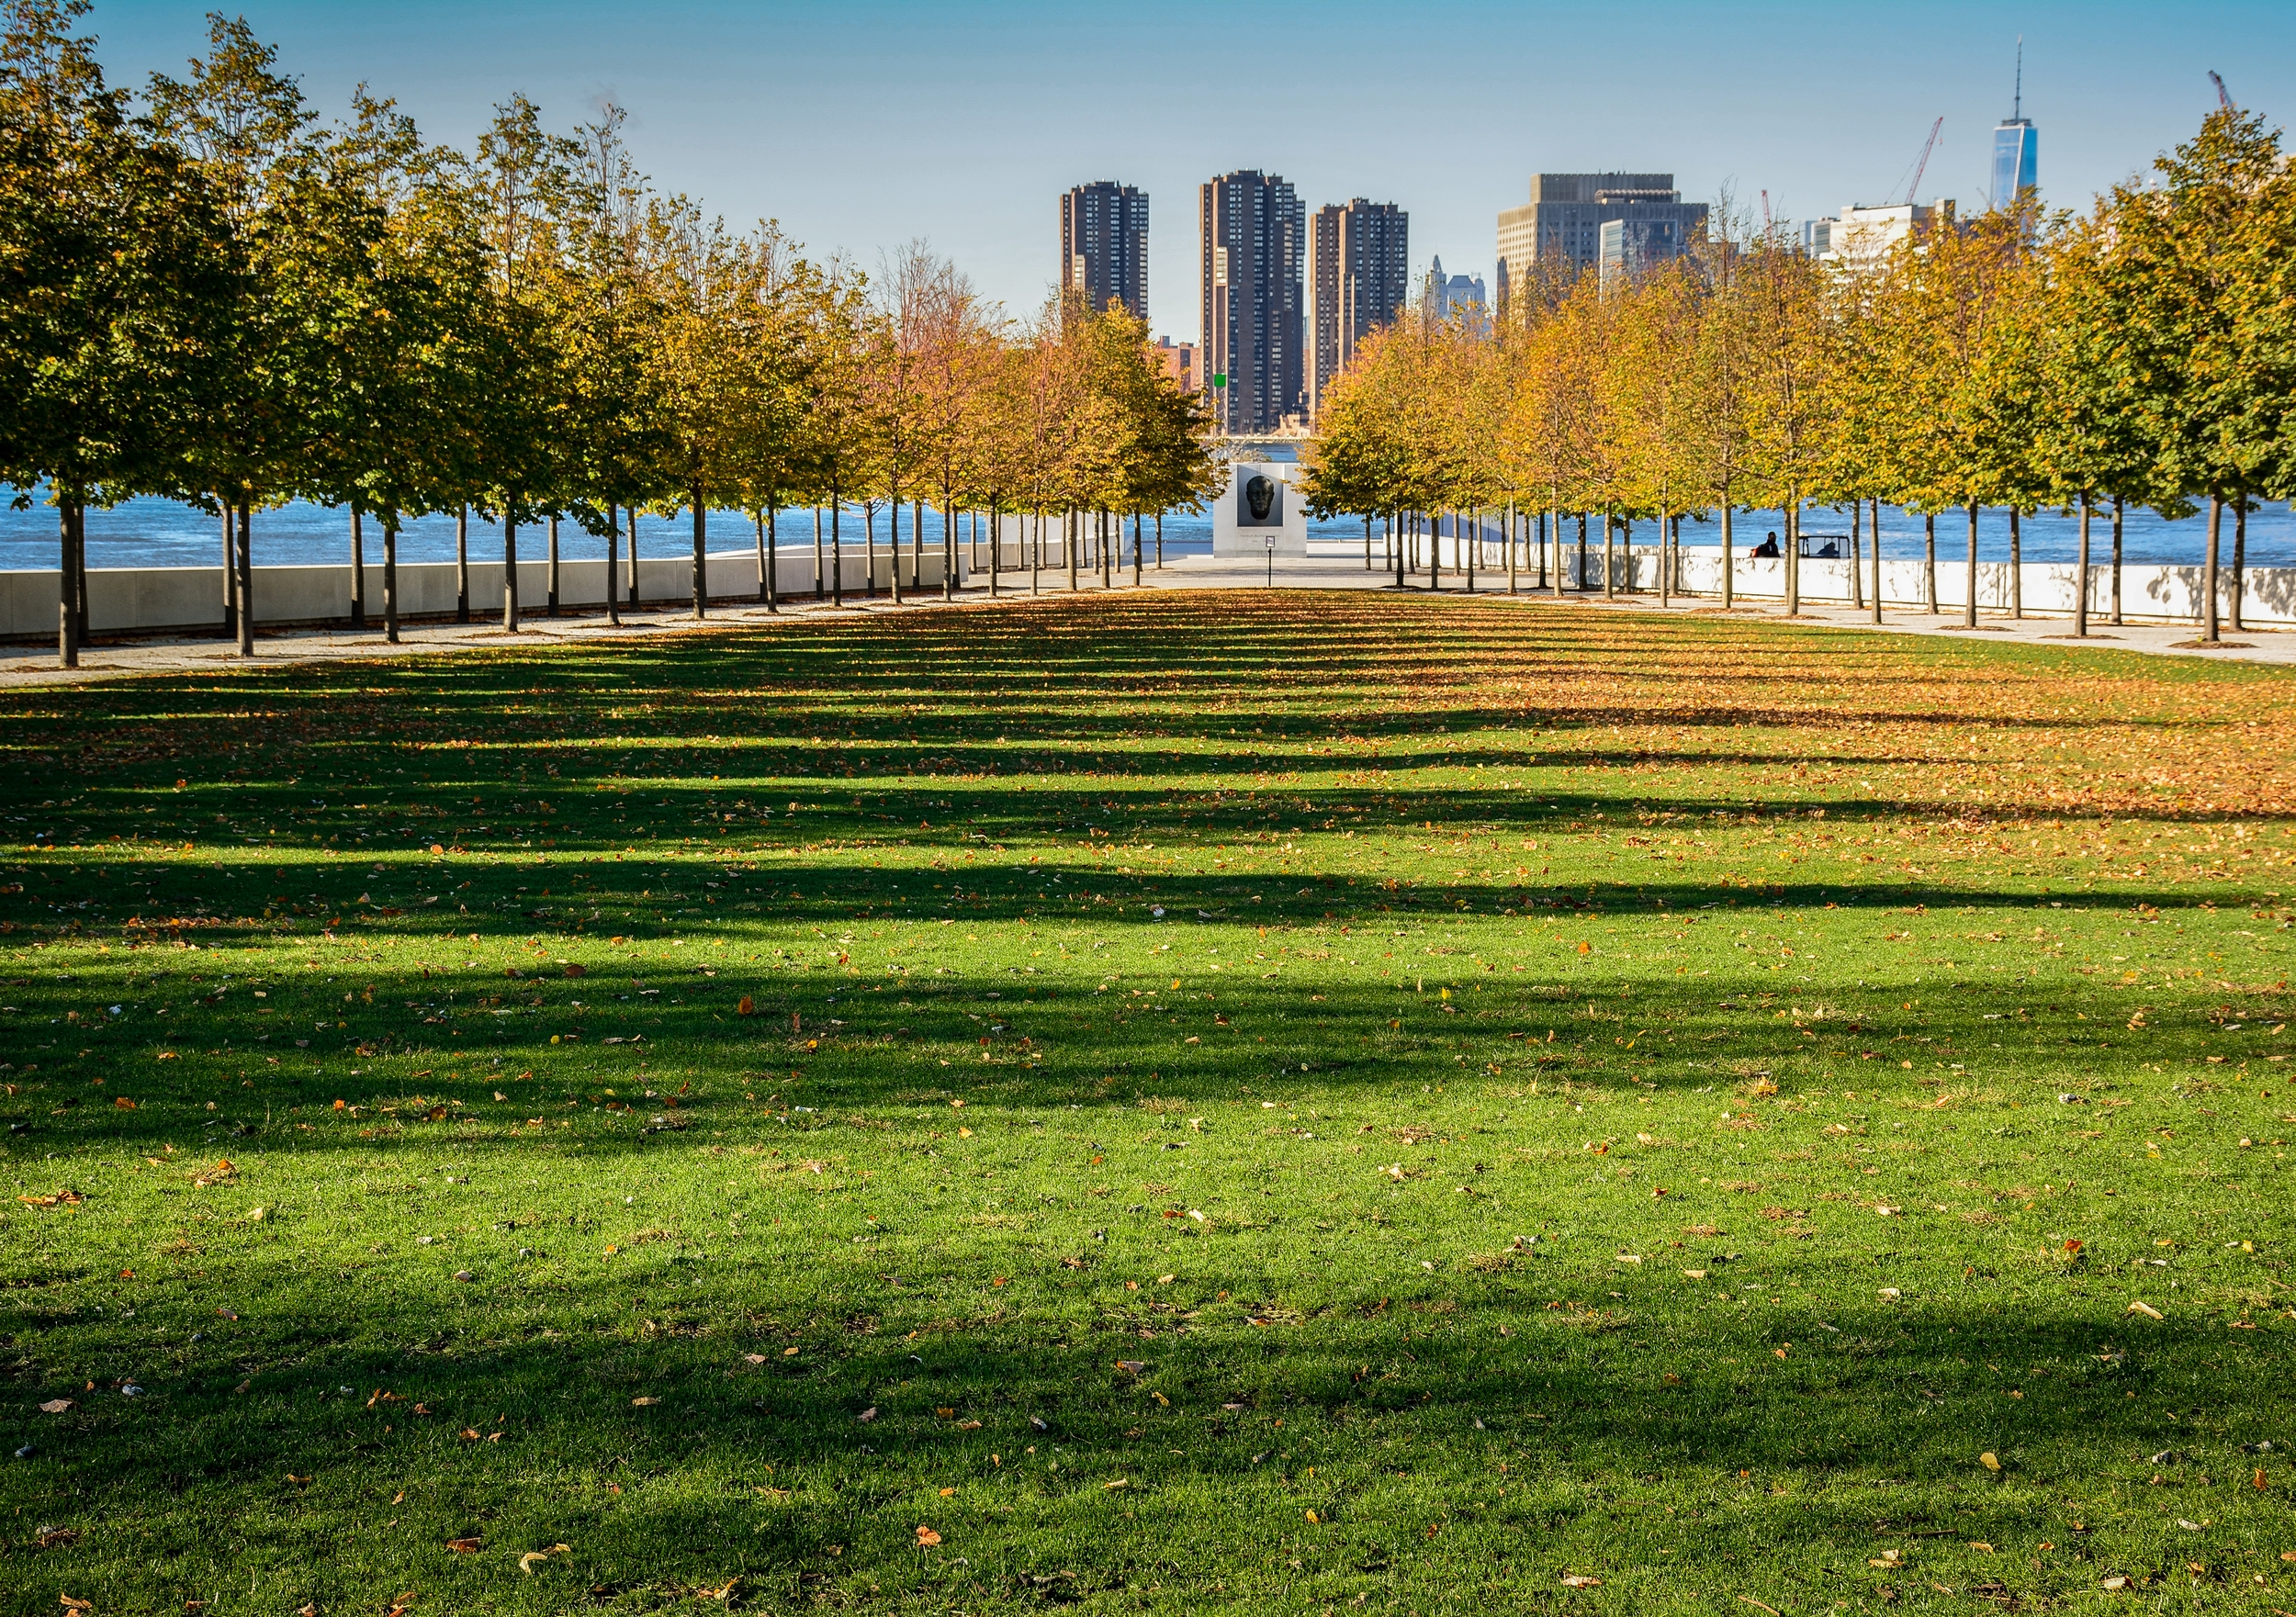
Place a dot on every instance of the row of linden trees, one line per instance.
(210, 293)
(2142, 354)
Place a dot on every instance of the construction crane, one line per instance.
(2223, 99)
(1921, 164)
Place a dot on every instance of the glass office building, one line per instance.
(2016, 146)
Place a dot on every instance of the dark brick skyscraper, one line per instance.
(1104, 245)
(1359, 277)
(1254, 235)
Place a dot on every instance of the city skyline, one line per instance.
(750, 110)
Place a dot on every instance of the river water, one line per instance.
(151, 533)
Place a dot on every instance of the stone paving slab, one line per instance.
(28, 667)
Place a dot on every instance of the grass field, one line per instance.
(1273, 1103)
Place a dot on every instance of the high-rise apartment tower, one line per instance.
(1560, 232)
(1104, 245)
(1253, 235)
(1358, 276)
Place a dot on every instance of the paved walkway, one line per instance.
(23, 667)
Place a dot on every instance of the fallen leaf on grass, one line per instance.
(53, 1538)
(1132, 1367)
(1990, 1460)
(927, 1537)
(71, 1605)
(1572, 1579)
(644, 1403)
(2146, 1309)
(464, 1547)
(868, 1414)
(526, 1562)
(57, 1406)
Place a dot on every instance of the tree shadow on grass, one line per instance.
(793, 1421)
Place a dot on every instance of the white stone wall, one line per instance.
(2151, 592)
(124, 600)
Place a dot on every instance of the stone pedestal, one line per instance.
(1261, 502)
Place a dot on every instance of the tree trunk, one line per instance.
(1929, 560)
(1136, 555)
(1969, 609)
(1793, 554)
(551, 580)
(893, 525)
(1874, 530)
(1730, 579)
(2212, 631)
(2080, 574)
(1461, 525)
(67, 590)
(1160, 542)
(2239, 550)
(358, 572)
(995, 548)
(949, 545)
(701, 555)
(246, 567)
(462, 564)
(820, 573)
(79, 568)
(509, 566)
(1578, 579)
(613, 562)
(868, 548)
(1069, 524)
(772, 557)
(2119, 505)
(837, 551)
(391, 577)
(1610, 586)
(230, 577)
(1434, 551)
(1857, 554)
(2017, 566)
(631, 594)
(916, 545)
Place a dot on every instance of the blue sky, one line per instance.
(861, 124)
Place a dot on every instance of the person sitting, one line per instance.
(1767, 546)
(1831, 553)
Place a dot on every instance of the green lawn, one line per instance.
(1275, 1102)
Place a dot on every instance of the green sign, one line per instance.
(1219, 379)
